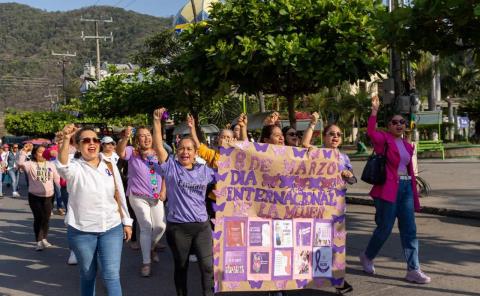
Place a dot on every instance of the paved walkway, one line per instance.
(449, 249)
(455, 185)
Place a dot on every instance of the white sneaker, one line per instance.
(15, 194)
(367, 264)
(417, 276)
(39, 246)
(46, 244)
(72, 259)
(192, 258)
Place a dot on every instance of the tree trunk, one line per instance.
(291, 111)
(261, 101)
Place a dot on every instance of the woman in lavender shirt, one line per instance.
(144, 192)
(188, 227)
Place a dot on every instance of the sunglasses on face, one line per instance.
(90, 141)
(333, 134)
(395, 122)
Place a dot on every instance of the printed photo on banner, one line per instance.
(259, 265)
(302, 261)
(303, 232)
(283, 233)
(323, 234)
(235, 233)
(322, 262)
(235, 263)
(259, 233)
(282, 264)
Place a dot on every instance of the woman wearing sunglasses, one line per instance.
(97, 215)
(397, 198)
(43, 177)
(332, 139)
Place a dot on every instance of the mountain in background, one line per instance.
(29, 72)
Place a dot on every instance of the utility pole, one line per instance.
(194, 11)
(64, 62)
(97, 38)
(53, 100)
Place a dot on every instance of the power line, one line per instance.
(116, 4)
(64, 62)
(129, 3)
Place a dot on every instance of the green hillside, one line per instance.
(29, 35)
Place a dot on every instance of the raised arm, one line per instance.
(122, 144)
(307, 135)
(22, 156)
(193, 130)
(162, 154)
(372, 132)
(63, 137)
(243, 123)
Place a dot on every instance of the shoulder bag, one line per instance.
(116, 194)
(375, 172)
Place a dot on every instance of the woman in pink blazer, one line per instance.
(396, 198)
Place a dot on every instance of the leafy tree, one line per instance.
(284, 47)
(121, 95)
(439, 26)
(45, 124)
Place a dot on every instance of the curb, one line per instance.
(427, 210)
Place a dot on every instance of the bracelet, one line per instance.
(312, 126)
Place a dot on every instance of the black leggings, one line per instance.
(197, 237)
(42, 209)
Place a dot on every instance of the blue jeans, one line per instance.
(385, 215)
(14, 174)
(64, 196)
(106, 247)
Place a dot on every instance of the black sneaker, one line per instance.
(346, 288)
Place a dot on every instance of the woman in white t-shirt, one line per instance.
(97, 215)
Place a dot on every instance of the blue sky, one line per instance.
(152, 7)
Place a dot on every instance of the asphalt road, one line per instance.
(449, 252)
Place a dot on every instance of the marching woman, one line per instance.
(42, 176)
(332, 139)
(397, 198)
(188, 227)
(144, 192)
(97, 216)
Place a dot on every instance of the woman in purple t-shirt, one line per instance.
(188, 227)
(144, 191)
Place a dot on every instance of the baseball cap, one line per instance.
(107, 139)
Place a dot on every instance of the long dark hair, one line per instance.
(34, 152)
(267, 132)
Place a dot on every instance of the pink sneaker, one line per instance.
(367, 264)
(417, 276)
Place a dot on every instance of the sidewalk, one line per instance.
(455, 187)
